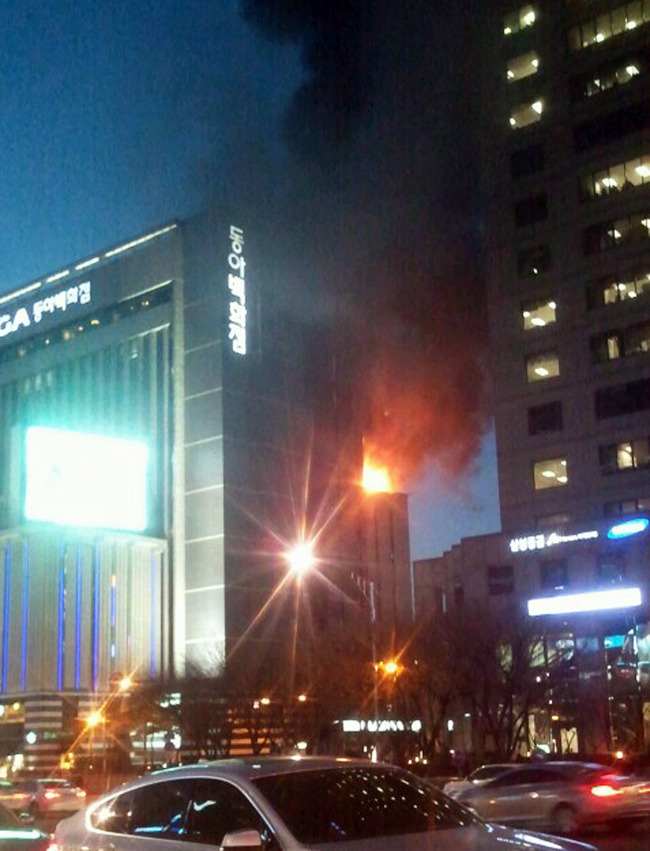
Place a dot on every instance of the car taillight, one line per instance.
(50, 795)
(604, 790)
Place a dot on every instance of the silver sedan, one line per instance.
(288, 804)
(561, 796)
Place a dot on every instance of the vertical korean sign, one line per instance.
(237, 311)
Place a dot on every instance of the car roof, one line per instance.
(252, 767)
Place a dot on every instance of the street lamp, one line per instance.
(301, 558)
(125, 684)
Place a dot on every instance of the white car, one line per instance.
(288, 804)
(478, 777)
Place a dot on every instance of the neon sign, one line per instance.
(628, 528)
(541, 541)
(24, 316)
(237, 287)
(592, 601)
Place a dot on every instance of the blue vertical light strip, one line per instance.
(96, 616)
(60, 655)
(78, 614)
(153, 614)
(5, 620)
(23, 657)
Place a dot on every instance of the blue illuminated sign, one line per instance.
(628, 528)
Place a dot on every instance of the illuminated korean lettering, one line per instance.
(541, 542)
(24, 316)
(237, 311)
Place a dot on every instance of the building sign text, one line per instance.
(237, 287)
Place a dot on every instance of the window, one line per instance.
(620, 399)
(501, 579)
(519, 20)
(527, 161)
(539, 314)
(159, 809)
(218, 808)
(550, 474)
(554, 575)
(611, 127)
(611, 571)
(522, 66)
(614, 22)
(548, 521)
(114, 816)
(358, 803)
(528, 211)
(628, 455)
(616, 288)
(543, 366)
(612, 345)
(533, 261)
(627, 506)
(608, 77)
(616, 178)
(606, 235)
(526, 113)
(545, 418)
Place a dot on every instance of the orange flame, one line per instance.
(375, 479)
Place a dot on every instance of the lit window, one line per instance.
(616, 178)
(541, 367)
(519, 20)
(614, 22)
(613, 290)
(522, 66)
(526, 114)
(550, 474)
(539, 314)
(629, 455)
(600, 237)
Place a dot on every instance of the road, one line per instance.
(630, 838)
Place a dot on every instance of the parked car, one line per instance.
(288, 803)
(562, 796)
(47, 795)
(15, 834)
(478, 777)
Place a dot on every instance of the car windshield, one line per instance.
(345, 804)
(487, 772)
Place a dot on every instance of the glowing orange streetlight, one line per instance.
(94, 719)
(125, 684)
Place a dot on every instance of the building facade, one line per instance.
(156, 434)
(568, 252)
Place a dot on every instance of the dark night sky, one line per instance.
(115, 117)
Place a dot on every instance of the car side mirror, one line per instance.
(242, 839)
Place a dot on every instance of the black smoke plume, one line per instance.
(383, 134)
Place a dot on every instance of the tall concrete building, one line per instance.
(568, 250)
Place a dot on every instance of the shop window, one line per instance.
(628, 455)
(533, 261)
(616, 178)
(551, 473)
(529, 211)
(520, 19)
(554, 575)
(611, 127)
(608, 77)
(501, 579)
(527, 161)
(545, 418)
(615, 288)
(608, 24)
(522, 66)
(526, 114)
(543, 366)
(622, 399)
(539, 314)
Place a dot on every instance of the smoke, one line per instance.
(382, 134)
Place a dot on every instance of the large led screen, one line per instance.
(79, 479)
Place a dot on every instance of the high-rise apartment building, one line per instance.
(568, 252)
